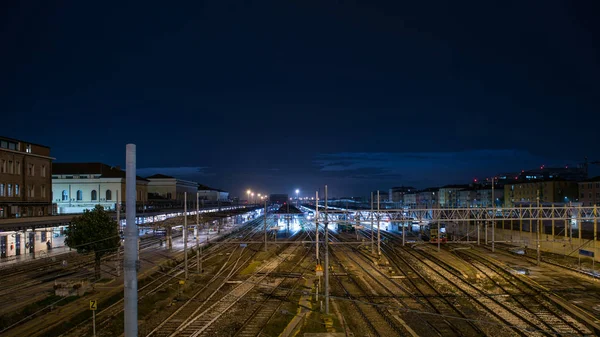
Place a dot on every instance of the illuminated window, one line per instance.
(65, 195)
(28, 148)
(1, 190)
(16, 190)
(10, 192)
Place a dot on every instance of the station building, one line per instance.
(212, 194)
(25, 179)
(81, 186)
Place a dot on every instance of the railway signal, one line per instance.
(93, 308)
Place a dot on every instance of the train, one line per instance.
(433, 232)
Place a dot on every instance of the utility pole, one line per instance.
(539, 234)
(185, 234)
(493, 220)
(265, 221)
(372, 229)
(595, 235)
(317, 226)
(198, 252)
(131, 252)
(378, 234)
(120, 240)
(326, 256)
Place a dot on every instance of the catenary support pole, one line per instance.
(131, 252)
(119, 228)
(326, 256)
(539, 227)
(185, 234)
(265, 225)
(595, 238)
(198, 267)
(317, 227)
(372, 229)
(378, 233)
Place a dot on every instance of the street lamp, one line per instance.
(252, 195)
(248, 193)
(297, 191)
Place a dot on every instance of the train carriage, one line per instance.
(437, 232)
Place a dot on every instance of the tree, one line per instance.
(94, 231)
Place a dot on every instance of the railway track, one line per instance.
(197, 315)
(372, 312)
(532, 300)
(105, 316)
(416, 294)
(270, 303)
(499, 307)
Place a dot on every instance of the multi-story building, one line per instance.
(212, 194)
(589, 192)
(550, 191)
(410, 199)
(480, 196)
(427, 197)
(396, 194)
(448, 195)
(25, 179)
(161, 186)
(467, 197)
(80, 186)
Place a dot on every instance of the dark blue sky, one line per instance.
(278, 95)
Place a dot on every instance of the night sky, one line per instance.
(279, 95)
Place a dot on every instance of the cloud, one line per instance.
(425, 167)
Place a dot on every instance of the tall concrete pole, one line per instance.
(326, 256)
(378, 233)
(372, 229)
(317, 226)
(198, 268)
(131, 252)
(185, 257)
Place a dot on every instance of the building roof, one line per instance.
(23, 141)
(591, 180)
(206, 188)
(430, 189)
(456, 186)
(160, 176)
(105, 171)
(402, 188)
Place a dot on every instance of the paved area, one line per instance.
(58, 248)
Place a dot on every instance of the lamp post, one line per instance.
(297, 191)
(248, 195)
(252, 194)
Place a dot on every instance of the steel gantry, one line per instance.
(465, 214)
